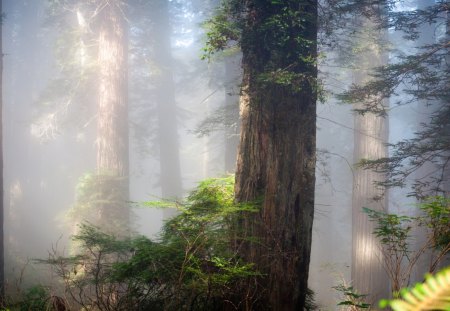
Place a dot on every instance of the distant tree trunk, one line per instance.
(171, 185)
(231, 104)
(112, 126)
(370, 136)
(276, 157)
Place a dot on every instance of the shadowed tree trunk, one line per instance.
(112, 126)
(276, 158)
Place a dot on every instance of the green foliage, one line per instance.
(221, 29)
(286, 78)
(437, 219)
(417, 77)
(392, 230)
(35, 299)
(352, 299)
(192, 264)
(428, 147)
(194, 253)
(87, 275)
(433, 294)
(395, 233)
(288, 54)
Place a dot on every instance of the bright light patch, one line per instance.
(184, 43)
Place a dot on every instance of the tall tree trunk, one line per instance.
(371, 135)
(171, 186)
(112, 126)
(276, 158)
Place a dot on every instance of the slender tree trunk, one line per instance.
(276, 158)
(371, 135)
(171, 186)
(112, 126)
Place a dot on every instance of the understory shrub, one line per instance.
(190, 266)
(398, 236)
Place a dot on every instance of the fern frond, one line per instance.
(433, 294)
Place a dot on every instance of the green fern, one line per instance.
(433, 294)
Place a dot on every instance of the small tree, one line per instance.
(395, 234)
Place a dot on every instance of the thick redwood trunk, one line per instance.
(112, 126)
(276, 159)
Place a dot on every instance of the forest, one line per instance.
(225, 155)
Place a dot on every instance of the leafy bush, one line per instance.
(191, 266)
(35, 299)
(351, 299)
(395, 233)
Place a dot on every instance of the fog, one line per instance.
(182, 127)
(50, 119)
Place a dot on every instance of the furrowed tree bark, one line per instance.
(276, 158)
(112, 126)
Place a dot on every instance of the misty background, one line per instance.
(183, 127)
